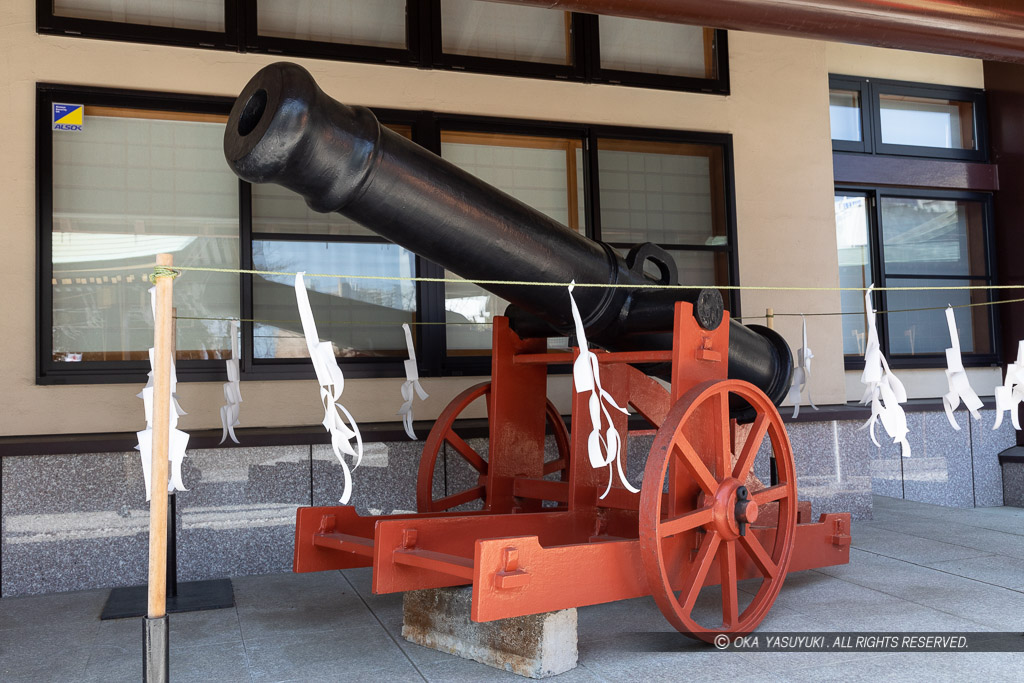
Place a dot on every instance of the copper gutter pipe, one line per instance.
(984, 29)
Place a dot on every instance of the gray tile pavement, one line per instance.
(914, 567)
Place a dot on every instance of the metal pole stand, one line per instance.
(191, 596)
(156, 652)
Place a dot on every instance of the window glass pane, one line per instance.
(542, 172)
(667, 193)
(852, 227)
(124, 190)
(279, 210)
(356, 22)
(926, 122)
(362, 318)
(933, 236)
(918, 332)
(655, 47)
(487, 29)
(844, 114)
(202, 15)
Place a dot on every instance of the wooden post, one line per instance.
(769, 314)
(163, 341)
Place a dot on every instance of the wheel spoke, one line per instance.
(759, 555)
(750, 448)
(723, 437)
(702, 565)
(694, 465)
(730, 596)
(466, 451)
(457, 499)
(765, 496)
(691, 520)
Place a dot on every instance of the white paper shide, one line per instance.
(177, 439)
(231, 410)
(882, 390)
(337, 420)
(604, 447)
(801, 375)
(411, 385)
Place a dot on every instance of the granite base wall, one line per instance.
(71, 522)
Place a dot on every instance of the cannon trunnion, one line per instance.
(551, 533)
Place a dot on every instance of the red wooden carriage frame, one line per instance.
(700, 519)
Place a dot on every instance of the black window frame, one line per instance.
(879, 275)
(230, 39)
(423, 47)
(426, 128)
(871, 118)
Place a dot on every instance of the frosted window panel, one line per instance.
(933, 236)
(844, 114)
(379, 23)
(487, 29)
(916, 332)
(201, 15)
(537, 176)
(854, 268)
(657, 197)
(125, 190)
(361, 318)
(652, 47)
(925, 122)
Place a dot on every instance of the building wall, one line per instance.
(57, 509)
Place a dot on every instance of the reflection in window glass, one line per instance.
(379, 23)
(660, 192)
(655, 47)
(926, 122)
(362, 318)
(201, 15)
(487, 29)
(933, 236)
(852, 230)
(844, 114)
(124, 190)
(917, 332)
(541, 172)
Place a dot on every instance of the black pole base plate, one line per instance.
(192, 596)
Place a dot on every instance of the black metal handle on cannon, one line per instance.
(283, 129)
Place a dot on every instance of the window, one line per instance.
(907, 119)
(469, 35)
(915, 238)
(193, 23)
(146, 175)
(135, 181)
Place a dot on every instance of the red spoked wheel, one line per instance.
(697, 519)
(443, 433)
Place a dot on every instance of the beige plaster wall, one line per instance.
(778, 115)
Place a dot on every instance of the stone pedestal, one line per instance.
(535, 646)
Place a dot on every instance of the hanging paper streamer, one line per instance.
(603, 450)
(956, 376)
(411, 384)
(232, 408)
(801, 375)
(884, 392)
(177, 440)
(1009, 396)
(342, 426)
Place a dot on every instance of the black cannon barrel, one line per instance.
(283, 129)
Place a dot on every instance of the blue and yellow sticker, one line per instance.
(68, 116)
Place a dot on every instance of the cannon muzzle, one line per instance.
(283, 129)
